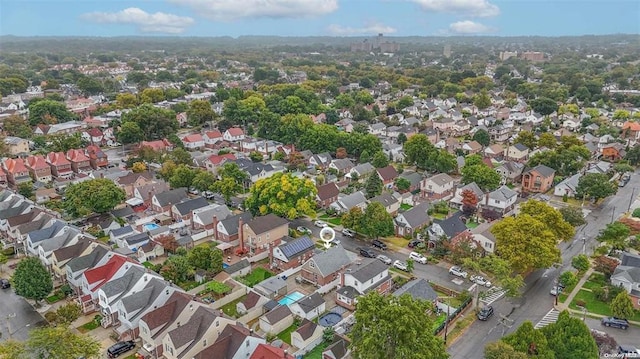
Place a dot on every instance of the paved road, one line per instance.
(536, 300)
(16, 316)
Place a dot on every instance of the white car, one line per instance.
(479, 280)
(400, 265)
(555, 291)
(320, 224)
(349, 233)
(384, 259)
(302, 229)
(417, 257)
(458, 272)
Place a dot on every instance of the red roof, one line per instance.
(104, 273)
(37, 162)
(266, 351)
(196, 137)
(213, 134)
(633, 126)
(235, 131)
(217, 159)
(57, 159)
(77, 156)
(94, 132)
(15, 166)
(158, 145)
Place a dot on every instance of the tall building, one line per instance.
(447, 51)
(378, 43)
(533, 56)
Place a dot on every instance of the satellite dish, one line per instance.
(327, 235)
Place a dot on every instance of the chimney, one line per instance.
(215, 227)
(486, 199)
(241, 234)
(266, 147)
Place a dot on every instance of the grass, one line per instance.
(256, 276)
(285, 335)
(439, 320)
(396, 242)
(595, 280)
(148, 265)
(472, 225)
(449, 300)
(87, 327)
(188, 285)
(438, 215)
(54, 298)
(336, 221)
(316, 353)
(460, 325)
(596, 306)
(405, 207)
(230, 308)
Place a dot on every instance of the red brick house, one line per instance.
(60, 165)
(388, 175)
(16, 171)
(325, 267)
(538, 179)
(97, 158)
(359, 279)
(292, 252)
(228, 230)
(631, 130)
(80, 163)
(327, 194)
(38, 168)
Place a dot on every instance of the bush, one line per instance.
(51, 317)
(9, 251)
(568, 279)
(66, 290)
(581, 303)
(636, 213)
(580, 262)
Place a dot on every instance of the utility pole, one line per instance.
(584, 245)
(446, 323)
(613, 213)
(633, 196)
(506, 323)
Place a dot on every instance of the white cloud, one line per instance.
(476, 8)
(146, 22)
(228, 10)
(469, 27)
(369, 28)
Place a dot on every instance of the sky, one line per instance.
(318, 17)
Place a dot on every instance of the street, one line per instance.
(17, 316)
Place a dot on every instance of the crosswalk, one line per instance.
(496, 293)
(549, 318)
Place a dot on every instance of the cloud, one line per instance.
(475, 8)
(158, 22)
(229, 10)
(469, 27)
(369, 28)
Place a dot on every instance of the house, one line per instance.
(568, 186)
(61, 256)
(390, 202)
(502, 200)
(341, 165)
(346, 202)
(93, 136)
(16, 145)
(361, 171)
(235, 341)
(338, 350)
(80, 163)
(252, 301)
(472, 147)
(538, 179)
(486, 240)
(388, 175)
(67, 237)
(359, 279)
(418, 289)
(473, 187)
(414, 179)
(46, 194)
(277, 320)
(193, 141)
(183, 211)
(327, 194)
(307, 336)
(60, 165)
(227, 230)
(133, 180)
(600, 167)
(613, 151)
(143, 195)
(163, 201)
(321, 160)
(158, 145)
(292, 252)
(97, 158)
(452, 229)
(208, 217)
(628, 277)
(238, 269)
(34, 238)
(75, 267)
(408, 222)
(309, 307)
(149, 251)
(215, 161)
(437, 187)
(133, 241)
(38, 168)
(510, 171)
(272, 288)
(494, 151)
(324, 267)
(16, 171)
(154, 324)
(94, 278)
(262, 232)
(378, 128)
(257, 171)
(211, 138)
(517, 152)
(233, 134)
(631, 130)
(267, 351)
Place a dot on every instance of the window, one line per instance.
(268, 235)
(312, 264)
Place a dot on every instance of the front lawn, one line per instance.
(336, 221)
(448, 300)
(596, 306)
(285, 335)
(439, 320)
(256, 276)
(472, 225)
(230, 308)
(595, 280)
(55, 298)
(396, 242)
(405, 207)
(87, 327)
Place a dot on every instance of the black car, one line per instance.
(379, 244)
(615, 322)
(414, 242)
(4, 283)
(485, 313)
(120, 348)
(366, 252)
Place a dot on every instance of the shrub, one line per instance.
(636, 213)
(568, 278)
(66, 290)
(580, 262)
(51, 317)
(581, 303)
(9, 251)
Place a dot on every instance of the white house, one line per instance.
(193, 141)
(502, 200)
(567, 186)
(309, 307)
(233, 134)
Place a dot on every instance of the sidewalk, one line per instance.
(574, 292)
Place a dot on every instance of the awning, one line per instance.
(134, 202)
(224, 245)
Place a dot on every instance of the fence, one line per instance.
(258, 257)
(329, 286)
(314, 343)
(453, 316)
(445, 290)
(242, 290)
(251, 315)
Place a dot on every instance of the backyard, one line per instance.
(230, 308)
(256, 276)
(316, 353)
(285, 335)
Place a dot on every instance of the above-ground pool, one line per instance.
(150, 226)
(291, 298)
(330, 319)
(225, 265)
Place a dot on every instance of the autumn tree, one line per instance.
(469, 202)
(17, 126)
(353, 219)
(341, 152)
(284, 195)
(139, 167)
(572, 215)
(551, 217)
(605, 342)
(68, 313)
(168, 242)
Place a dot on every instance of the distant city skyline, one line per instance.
(319, 17)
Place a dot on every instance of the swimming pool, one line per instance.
(150, 226)
(291, 298)
(330, 319)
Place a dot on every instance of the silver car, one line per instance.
(384, 259)
(400, 265)
(458, 272)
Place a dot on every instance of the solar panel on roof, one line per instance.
(297, 246)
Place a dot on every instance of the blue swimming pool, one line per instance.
(225, 265)
(291, 298)
(150, 226)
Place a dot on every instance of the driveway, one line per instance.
(17, 316)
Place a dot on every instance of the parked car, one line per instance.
(384, 259)
(320, 224)
(414, 243)
(628, 349)
(480, 280)
(485, 313)
(417, 257)
(4, 283)
(458, 272)
(400, 265)
(367, 252)
(193, 191)
(302, 229)
(120, 348)
(335, 241)
(208, 195)
(349, 233)
(556, 290)
(615, 322)
(379, 244)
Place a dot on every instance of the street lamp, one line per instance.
(584, 245)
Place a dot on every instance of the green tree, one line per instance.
(255, 156)
(615, 234)
(373, 186)
(180, 156)
(486, 178)
(528, 340)
(53, 343)
(32, 280)
(551, 217)
(595, 186)
(544, 105)
(402, 184)
(482, 100)
(394, 327)
(176, 269)
(89, 85)
(17, 126)
(568, 278)
(231, 180)
(621, 115)
(68, 313)
(502, 350)
(376, 221)
(98, 195)
(580, 262)
(573, 215)
(200, 257)
(569, 337)
(129, 132)
(633, 155)
(621, 306)
(482, 137)
(217, 259)
(203, 180)
(155, 123)
(25, 189)
(200, 112)
(622, 167)
(402, 138)
(419, 150)
(527, 138)
(49, 112)
(63, 142)
(547, 140)
(126, 100)
(284, 195)
(353, 219)
(152, 95)
(410, 265)
(380, 160)
(182, 176)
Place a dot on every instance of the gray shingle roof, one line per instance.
(520, 147)
(171, 197)
(279, 313)
(441, 179)
(145, 297)
(136, 238)
(119, 232)
(48, 232)
(244, 263)
(88, 261)
(311, 302)
(452, 226)
(295, 247)
(363, 169)
(15, 210)
(367, 270)
(631, 274)
(386, 199)
(272, 285)
(503, 193)
(61, 240)
(418, 289)
(331, 260)
(413, 177)
(543, 170)
(417, 215)
(222, 212)
(193, 329)
(630, 259)
(266, 223)
(120, 286)
(185, 207)
(352, 200)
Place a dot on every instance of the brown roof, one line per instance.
(227, 344)
(193, 330)
(387, 173)
(72, 251)
(166, 314)
(23, 218)
(327, 191)
(277, 314)
(266, 223)
(251, 300)
(306, 329)
(132, 177)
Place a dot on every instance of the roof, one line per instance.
(363, 169)
(136, 238)
(121, 285)
(206, 214)
(266, 351)
(77, 156)
(311, 302)
(296, 247)
(62, 239)
(279, 313)
(266, 223)
(543, 170)
(386, 199)
(306, 329)
(418, 289)
(413, 177)
(571, 182)
(452, 226)
(132, 177)
(72, 251)
(196, 137)
(37, 162)
(331, 260)
(417, 215)
(342, 163)
(231, 223)
(235, 131)
(227, 343)
(105, 271)
(521, 147)
(167, 313)
(351, 200)
(185, 207)
(144, 298)
(327, 191)
(47, 232)
(272, 284)
(193, 329)
(89, 260)
(388, 173)
(366, 271)
(473, 187)
(14, 166)
(243, 263)
(503, 193)
(119, 232)
(630, 259)
(440, 179)
(57, 159)
(629, 274)
(251, 300)
(171, 197)
(338, 349)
